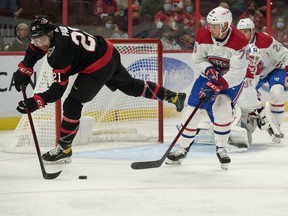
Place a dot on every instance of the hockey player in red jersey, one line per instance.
(220, 53)
(96, 62)
(272, 69)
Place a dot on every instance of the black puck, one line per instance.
(82, 177)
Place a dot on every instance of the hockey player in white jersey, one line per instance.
(220, 54)
(273, 58)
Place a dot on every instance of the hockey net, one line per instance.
(110, 116)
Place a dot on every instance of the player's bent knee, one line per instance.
(277, 93)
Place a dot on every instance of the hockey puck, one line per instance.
(82, 177)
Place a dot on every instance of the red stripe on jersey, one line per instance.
(155, 92)
(100, 62)
(64, 70)
(222, 125)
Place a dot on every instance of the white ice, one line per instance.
(256, 183)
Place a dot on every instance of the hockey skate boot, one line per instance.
(58, 155)
(223, 157)
(176, 98)
(176, 157)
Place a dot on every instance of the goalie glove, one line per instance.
(32, 104)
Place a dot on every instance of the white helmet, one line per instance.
(246, 23)
(220, 16)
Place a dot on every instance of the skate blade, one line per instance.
(170, 162)
(61, 161)
(224, 166)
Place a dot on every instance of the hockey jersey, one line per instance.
(71, 51)
(272, 54)
(229, 56)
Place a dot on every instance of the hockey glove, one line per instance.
(22, 76)
(211, 73)
(210, 90)
(33, 103)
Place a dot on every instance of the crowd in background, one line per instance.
(172, 21)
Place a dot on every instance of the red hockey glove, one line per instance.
(210, 90)
(33, 103)
(22, 76)
(211, 72)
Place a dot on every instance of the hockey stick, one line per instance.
(44, 173)
(158, 163)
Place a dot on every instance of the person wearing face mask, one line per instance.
(106, 29)
(189, 16)
(254, 14)
(167, 16)
(279, 31)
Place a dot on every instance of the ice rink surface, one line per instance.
(256, 183)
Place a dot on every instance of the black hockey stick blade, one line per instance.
(146, 164)
(44, 173)
(51, 175)
(158, 163)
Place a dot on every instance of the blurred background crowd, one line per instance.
(172, 21)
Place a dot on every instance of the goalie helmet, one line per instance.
(40, 27)
(254, 54)
(220, 16)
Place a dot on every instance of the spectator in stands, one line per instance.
(189, 17)
(118, 32)
(22, 40)
(224, 5)
(122, 7)
(262, 7)
(254, 14)
(279, 31)
(106, 8)
(14, 6)
(149, 8)
(168, 17)
(186, 41)
(168, 38)
(106, 30)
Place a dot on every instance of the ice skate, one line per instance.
(58, 155)
(223, 157)
(176, 98)
(176, 157)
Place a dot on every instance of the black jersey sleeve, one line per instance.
(32, 55)
(54, 93)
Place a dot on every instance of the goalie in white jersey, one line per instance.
(220, 54)
(273, 58)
